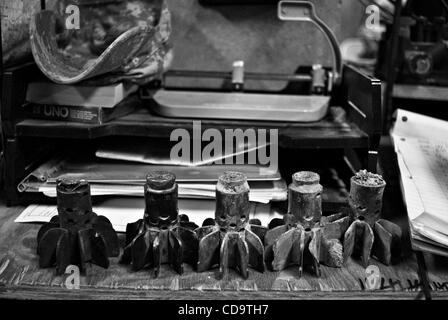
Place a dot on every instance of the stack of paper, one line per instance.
(260, 191)
(121, 211)
(124, 178)
(265, 183)
(421, 144)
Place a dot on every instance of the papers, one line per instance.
(121, 211)
(113, 172)
(421, 144)
(260, 191)
(108, 177)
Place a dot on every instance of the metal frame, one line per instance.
(304, 11)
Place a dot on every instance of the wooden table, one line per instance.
(20, 277)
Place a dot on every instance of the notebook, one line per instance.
(421, 144)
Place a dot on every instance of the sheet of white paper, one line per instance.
(427, 161)
(414, 125)
(411, 194)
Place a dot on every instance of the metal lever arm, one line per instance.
(291, 10)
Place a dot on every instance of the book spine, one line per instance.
(63, 113)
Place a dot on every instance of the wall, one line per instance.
(211, 38)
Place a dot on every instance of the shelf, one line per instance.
(331, 132)
(420, 92)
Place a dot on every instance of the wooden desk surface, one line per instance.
(21, 278)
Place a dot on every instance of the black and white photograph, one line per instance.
(219, 155)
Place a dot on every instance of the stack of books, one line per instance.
(79, 103)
